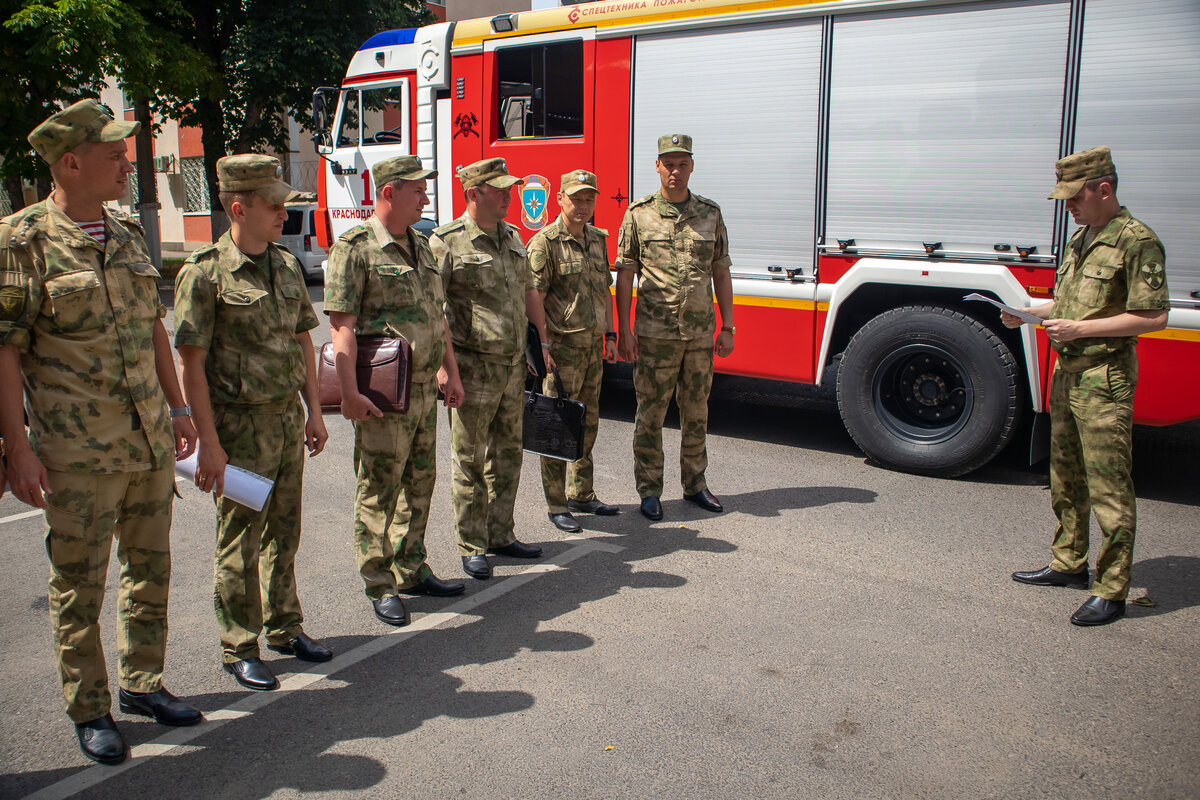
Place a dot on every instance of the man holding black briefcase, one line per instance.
(485, 273)
(242, 322)
(382, 280)
(569, 263)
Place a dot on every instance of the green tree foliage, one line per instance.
(234, 68)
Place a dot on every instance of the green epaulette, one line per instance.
(647, 199)
(1140, 230)
(355, 232)
(449, 227)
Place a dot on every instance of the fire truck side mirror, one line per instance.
(320, 108)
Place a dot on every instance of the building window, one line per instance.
(135, 189)
(195, 185)
(540, 90)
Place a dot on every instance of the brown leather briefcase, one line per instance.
(384, 368)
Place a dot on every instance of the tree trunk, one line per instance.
(147, 182)
(212, 136)
(16, 197)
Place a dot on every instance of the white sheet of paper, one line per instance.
(241, 486)
(1024, 316)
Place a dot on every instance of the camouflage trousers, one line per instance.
(663, 367)
(395, 460)
(255, 581)
(581, 370)
(485, 439)
(1091, 422)
(84, 513)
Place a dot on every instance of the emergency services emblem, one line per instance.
(534, 199)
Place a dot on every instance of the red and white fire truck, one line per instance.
(875, 160)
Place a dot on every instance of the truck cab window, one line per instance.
(348, 125)
(383, 116)
(540, 89)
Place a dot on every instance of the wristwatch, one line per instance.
(182, 411)
(729, 329)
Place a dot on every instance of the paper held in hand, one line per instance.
(1024, 316)
(241, 486)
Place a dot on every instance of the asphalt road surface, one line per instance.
(842, 631)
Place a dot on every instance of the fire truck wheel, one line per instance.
(928, 390)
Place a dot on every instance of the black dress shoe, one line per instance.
(434, 587)
(516, 549)
(651, 508)
(1098, 611)
(592, 506)
(166, 708)
(100, 740)
(390, 609)
(565, 523)
(1050, 577)
(477, 567)
(253, 674)
(706, 500)
(305, 648)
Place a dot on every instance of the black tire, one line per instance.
(928, 390)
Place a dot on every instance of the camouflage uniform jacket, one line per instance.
(485, 288)
(83, 316)
(246, 320)
(575, 277)
(370, 276)
(1122, 270)
(675, 254)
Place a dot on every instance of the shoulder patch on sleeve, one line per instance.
(1153, 274)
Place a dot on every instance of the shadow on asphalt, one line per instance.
(292, 744)
(1173, 582)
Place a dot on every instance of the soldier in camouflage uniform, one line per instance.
(81, 329)
(485, 275)
(569, 261)
(1110, 288)
(675, 242)
(382, 280)
(242, 322)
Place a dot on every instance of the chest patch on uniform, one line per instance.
(12, 302)
(1153, 275)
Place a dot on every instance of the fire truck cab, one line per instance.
(875, 162)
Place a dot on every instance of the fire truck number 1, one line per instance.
(367, 201)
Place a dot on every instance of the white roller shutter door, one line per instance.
(1139, 94)
(748, 97)
(945, 126)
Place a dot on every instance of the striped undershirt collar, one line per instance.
(95, 230)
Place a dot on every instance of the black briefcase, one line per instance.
(553, 426)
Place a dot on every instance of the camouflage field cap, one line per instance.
(400, 168)
(1078, 168)
(85, 121)
(492, 171)
(577, 181)
(674, 143)
(263, 175)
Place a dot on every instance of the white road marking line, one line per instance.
(37, 512)
(176, 738)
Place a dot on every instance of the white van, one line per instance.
(300, 237)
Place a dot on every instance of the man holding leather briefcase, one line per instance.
(382, 280)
